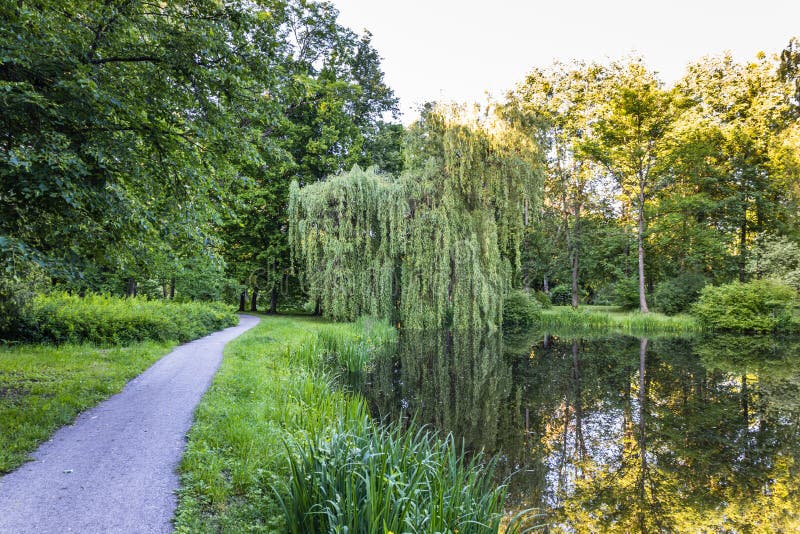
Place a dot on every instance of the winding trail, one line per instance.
(114, 469)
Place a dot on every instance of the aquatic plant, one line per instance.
(357, 476)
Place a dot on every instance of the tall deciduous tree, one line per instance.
(564, 102)
(123, 118)
(631, 141)
(334, 108)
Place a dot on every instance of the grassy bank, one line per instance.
(612, 319)
(274, 395)
(43, 387)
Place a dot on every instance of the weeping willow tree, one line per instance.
(433, 249)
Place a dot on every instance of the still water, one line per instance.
(605, 433)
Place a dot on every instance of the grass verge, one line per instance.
(43, 387)
(593, 318)
(277, 448)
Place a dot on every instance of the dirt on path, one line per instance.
(114, 469)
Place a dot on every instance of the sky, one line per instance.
(458, 50)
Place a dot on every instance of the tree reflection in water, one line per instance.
(617, 434)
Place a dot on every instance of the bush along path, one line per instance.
(114, 469)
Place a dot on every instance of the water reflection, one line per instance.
(618, 434)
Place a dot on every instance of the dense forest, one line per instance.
(149, 149)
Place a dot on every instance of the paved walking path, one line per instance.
(113, 471)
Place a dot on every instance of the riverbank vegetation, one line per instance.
(276, 441)
(612, 319)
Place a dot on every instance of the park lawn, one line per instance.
(615, 320)
(43, 387)
(261, 399)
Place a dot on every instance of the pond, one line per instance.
(605, 433)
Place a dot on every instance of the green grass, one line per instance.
(273, 394)
(44, 387)
(608, 318)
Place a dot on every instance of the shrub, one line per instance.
(561, 295)
(109, 320)
(520, 310)
(626, 293)
(604, 296)
(357, 476)
(676, 295)
(758, 306)
(543, 299)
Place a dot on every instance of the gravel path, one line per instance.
(113, 470)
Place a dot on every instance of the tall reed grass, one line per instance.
(353, 347)
(358, 476)
(563, 317)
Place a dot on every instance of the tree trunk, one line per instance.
(640, 242)
(131, 291)
(317, 308)
(743, 250)
(642, 435)
(575, 252)
(546, 284)
(242, 300)
(575, 300)
(164, 289)
(254, 300)
(273, 300)
(172, 288)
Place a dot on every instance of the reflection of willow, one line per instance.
(451, 381)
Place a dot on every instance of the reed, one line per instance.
(563, 317)
(358, 476)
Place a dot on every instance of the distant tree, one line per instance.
(334, 107)
(563, 102)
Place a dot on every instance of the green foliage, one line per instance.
(63, 318)
(520, 310)
(626, 293)
(777, 258)
(676, 295)
(543, 299)
(43, 388)
(431, 249)
(757, 306)
(359, 477)
(118, 117)
(561, 295)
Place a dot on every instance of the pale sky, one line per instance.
(458, 50)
